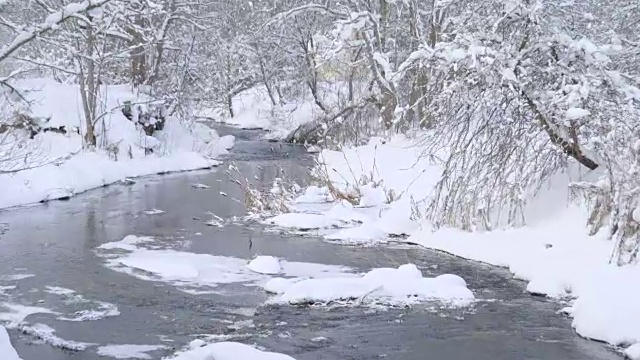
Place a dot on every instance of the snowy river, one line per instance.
(60, 299)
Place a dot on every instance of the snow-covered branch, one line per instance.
(50, 23)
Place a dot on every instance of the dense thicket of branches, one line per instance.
(505, 92)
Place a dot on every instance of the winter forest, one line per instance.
(511, 92)
(500, 107)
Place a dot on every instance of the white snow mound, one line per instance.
(404, 285)
(633, 352)
(265, 265)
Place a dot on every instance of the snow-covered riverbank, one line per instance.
(54, 164)
(385, 183)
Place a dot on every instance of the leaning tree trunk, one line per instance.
(569, 148)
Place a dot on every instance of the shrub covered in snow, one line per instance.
(38, 164)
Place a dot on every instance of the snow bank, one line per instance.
(87, 171)
(559, 259)
(554, 253)
(57, 166)
(404, 285)
(7, 352)
(227, 351)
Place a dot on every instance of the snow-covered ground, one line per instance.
(54, 165)
(554, 254)
(253, 110)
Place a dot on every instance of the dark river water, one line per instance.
(56, 242)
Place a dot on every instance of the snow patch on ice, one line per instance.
(154, 212)
(129, 243)
(103, 310)
(57, 290)
(47, 335)
(4, 289)
(185, 269)
(128, 351)
(16, 277)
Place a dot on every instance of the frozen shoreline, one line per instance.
(79, 175)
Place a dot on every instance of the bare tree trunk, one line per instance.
(389, 104)
(230, 104)
(138, 65)
(306, 42)
(384, 22)
(265, 77)
(415, 111)
(88, 88)
(138, 54)
(280, 96)
(352, 73)
(159, 48)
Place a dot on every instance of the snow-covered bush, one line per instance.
(52, 164)
(265, 202)
(511, 92)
